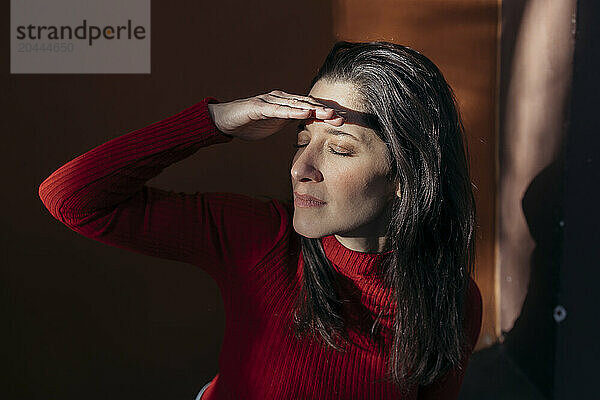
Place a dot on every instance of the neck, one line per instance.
(376, 244)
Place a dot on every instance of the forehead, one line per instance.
(345, 99)
(341, 94)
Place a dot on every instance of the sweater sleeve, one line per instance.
(102, 195)
(448, 387)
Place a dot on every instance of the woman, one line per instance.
(359, 290)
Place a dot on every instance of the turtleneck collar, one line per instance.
(352, 263)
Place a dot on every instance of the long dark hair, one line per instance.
(432, 229)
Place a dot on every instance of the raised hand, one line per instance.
(260, 116)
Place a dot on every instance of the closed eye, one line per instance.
(332, 151)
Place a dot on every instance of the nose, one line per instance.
(305, 168)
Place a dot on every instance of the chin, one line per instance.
(308, 228)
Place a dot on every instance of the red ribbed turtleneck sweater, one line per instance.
(251, 250)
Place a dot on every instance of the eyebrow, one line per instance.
(331, 131)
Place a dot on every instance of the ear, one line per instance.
(394, 190)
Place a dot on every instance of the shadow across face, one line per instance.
(351, 116)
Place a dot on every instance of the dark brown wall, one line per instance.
(84, 320)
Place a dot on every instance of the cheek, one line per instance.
(365, 185)
(357, 189)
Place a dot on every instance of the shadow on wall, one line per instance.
(531, 342)
(523, 366)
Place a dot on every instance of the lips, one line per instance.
(307, 197)
(307, 201)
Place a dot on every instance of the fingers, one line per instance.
(296, 102)
(272, 110)
(337, 121)
(297, 99)
(278, 104)
(283, 111)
